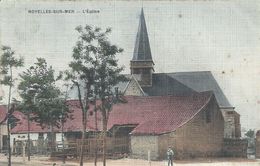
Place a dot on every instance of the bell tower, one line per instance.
(142, 63)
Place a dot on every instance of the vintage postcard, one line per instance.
(130, 82)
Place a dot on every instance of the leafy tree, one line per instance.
(107, 77)
(41, 97)
(8, 62)
(250, 133)
(82, 71)
(95, 68)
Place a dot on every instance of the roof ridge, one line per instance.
(174, 96)
(204, 71)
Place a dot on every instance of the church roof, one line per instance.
(178, 84)
(200, 82)
(142, 51)
(184, 83)
(150, 114)
(158, 114)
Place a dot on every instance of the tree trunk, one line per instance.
(104, 119)
(52, 140)
(28, 136)
(8, 124)
(84, 121)
(8, 143)
(62, 138)
(96, 143)
(83, 138)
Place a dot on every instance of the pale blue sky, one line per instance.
(221, 36)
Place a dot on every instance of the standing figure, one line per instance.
(170, 155)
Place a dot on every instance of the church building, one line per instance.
(145, 82)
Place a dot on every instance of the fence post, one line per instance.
(23, 144)
(149, 157)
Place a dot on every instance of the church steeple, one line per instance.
(142, 51)
(142, 63)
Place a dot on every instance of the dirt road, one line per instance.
(44, 161)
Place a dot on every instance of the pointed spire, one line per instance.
(142, 51)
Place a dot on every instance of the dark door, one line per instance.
(4, 145)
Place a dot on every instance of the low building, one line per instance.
(193, 125)
(20, 130)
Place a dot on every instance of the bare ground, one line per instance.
(44, 161)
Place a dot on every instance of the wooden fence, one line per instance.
(73, 148)
(114, 146)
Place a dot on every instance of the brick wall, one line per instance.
(198, 137)
(140, 145)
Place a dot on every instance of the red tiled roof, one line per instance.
(152, 115)
(160, 114)
(75, 123)
(22, 125)
(72, 124)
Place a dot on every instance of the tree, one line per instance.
(82, 70)
(8, 62)
(94, 71)
(42, 98)
(107, 77)
(250, 133)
